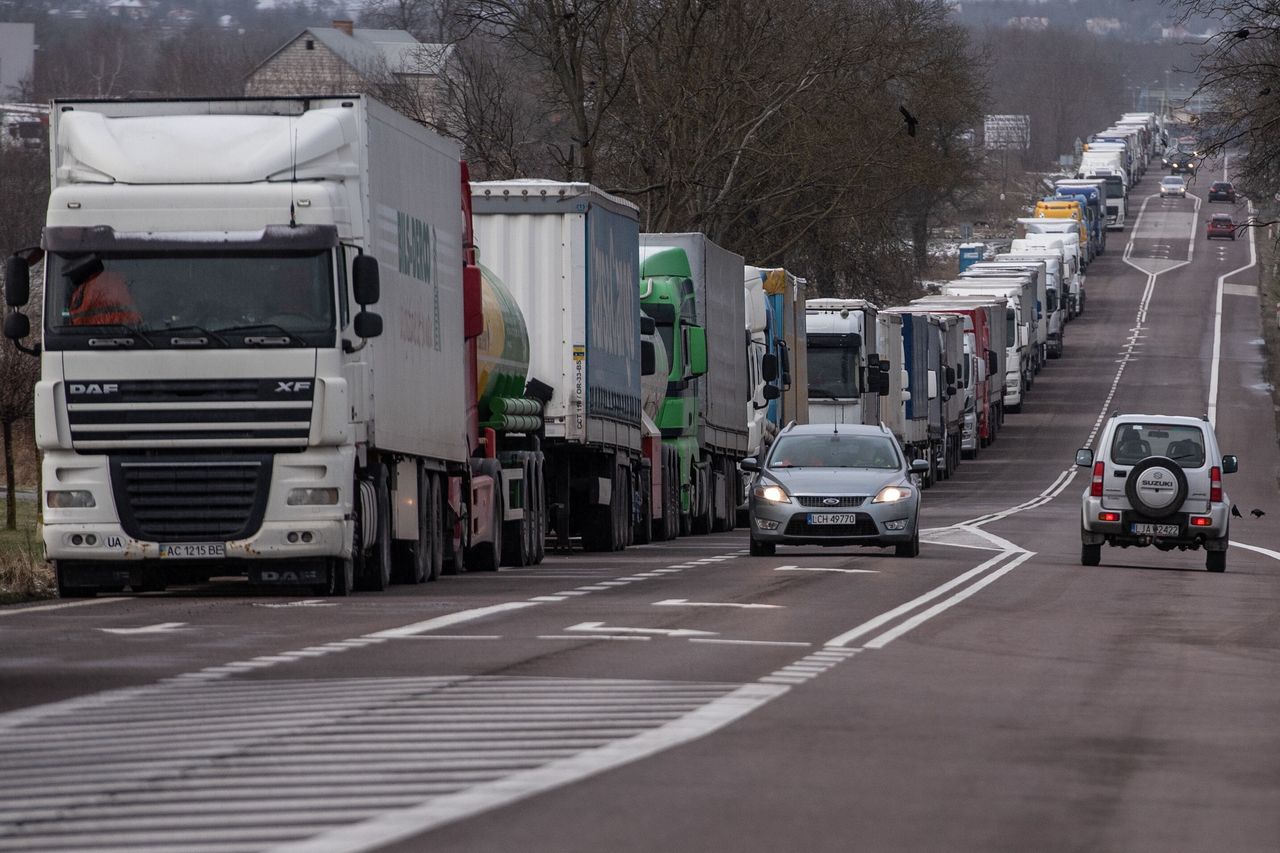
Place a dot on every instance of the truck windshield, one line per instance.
(833, 371)
(240, 299)
(1115, 187)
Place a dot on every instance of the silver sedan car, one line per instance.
(834, 484)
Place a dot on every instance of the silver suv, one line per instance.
(1157, 480)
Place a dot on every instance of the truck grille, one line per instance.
(819, 500)
(191, 500)
(800, 526)
(189, 413)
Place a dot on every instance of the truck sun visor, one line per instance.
(104, 238)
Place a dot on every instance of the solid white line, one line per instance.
(398, 825)
(456, 637)
(591, 637)
(684, 602)
(892, 634)
(872, 624)
(450, 619)
(17, 611)
(747, 642)
(819, 569)
(1217, 321)
(1275, 555)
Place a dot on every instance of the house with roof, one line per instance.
(344, 59)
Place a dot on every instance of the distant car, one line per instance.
(1222, 191)
(1182, 162)
(1174, 185)
(835, 484)
(1157, 480)
(1221, 225)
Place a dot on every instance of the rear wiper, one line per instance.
(200, 330)
(282, 338)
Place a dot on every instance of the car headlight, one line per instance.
(891, 495)
(771, 492)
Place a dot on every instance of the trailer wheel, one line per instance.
(341, 578)
(704, 518)
(540, 509)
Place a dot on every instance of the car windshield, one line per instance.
(1134, 442)
(832, 450)
(1173, 182)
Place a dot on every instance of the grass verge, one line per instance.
(24, 574)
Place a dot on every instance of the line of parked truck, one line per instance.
(289, 339)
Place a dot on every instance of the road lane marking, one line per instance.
(821, 569)
(18, 611)
(1216, 359)
(892, 634)
(684, 602)
(1275, 555)
(158, 628)
(403, 824)
(592, 637)
(747, 642)
(449, 619)
(600, 627)
(872, 624)
(455, 637)
(548, 598)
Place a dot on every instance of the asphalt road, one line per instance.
(990, 695)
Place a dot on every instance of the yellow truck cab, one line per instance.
(1064, 209)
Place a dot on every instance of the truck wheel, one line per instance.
(413, 559)
(455, 561)
(377, 555)
(341, 578)
(540, 504)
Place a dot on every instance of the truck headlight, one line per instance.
(772, 493)
(312, 497)
(891, 495)
(70, 499)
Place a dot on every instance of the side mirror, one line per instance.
(17, 326)
(882, 385)
(785, 354)
(647, 325)
(750, 464)
(1230, 465)
(367, 324)
(695, 338)
(951, 377)
(769, 367)
(648, 358)
(1084, 457)
(772, 392)
(17, 282)
(364, 280)
(919, 466)
(884, 366)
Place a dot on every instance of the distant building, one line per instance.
(1103, 26)
(342, 59)
(17, 57)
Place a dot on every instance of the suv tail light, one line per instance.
(1215, 485)
(1095, 486)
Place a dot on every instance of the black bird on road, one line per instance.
(1257, 513)
(1235, 512)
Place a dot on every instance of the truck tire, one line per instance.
(540, 505)
(455, 559)
(376, 565)
(671, 516)
(341, 578)
(702, 513)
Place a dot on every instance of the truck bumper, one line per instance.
(287, 531)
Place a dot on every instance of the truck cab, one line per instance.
(843, 363)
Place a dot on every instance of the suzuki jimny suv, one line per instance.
(1157, 480)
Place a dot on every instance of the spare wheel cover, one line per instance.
(1156, 487)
